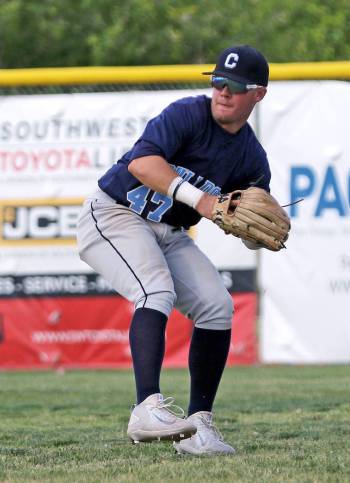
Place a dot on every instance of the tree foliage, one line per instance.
(38, 33)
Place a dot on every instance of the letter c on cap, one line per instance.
(231, 60)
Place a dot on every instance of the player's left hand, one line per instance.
(253, 215)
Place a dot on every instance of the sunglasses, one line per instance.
(233, 86)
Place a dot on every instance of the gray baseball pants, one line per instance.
(153, 265)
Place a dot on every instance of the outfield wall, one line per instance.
(56, 312)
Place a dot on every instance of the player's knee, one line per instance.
(217, 313)
(163, 301)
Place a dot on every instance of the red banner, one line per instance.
(92, 332)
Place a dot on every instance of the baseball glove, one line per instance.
(253, 215)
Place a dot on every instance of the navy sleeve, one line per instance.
(165, 134)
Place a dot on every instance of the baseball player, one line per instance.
(132, 231)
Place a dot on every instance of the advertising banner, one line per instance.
(58, 145)
(55, 312)
(53, 148)
(306, 288)
(81, 332)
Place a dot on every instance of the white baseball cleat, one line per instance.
(207, 441)
(155, 419)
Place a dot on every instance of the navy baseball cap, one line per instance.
(244, 64)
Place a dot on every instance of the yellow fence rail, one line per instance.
(159, 74)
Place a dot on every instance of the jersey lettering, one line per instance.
(164, 202)
(198, 180)
(138, 198)
(185, 173)
(138, 201)
(209, 187)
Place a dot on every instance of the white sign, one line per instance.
(306, 288)
(59, 145)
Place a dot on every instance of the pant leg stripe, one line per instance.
(118, 253)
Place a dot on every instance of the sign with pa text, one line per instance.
(306, 288)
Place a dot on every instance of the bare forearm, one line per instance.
(154, 172)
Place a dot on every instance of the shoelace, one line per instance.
(208, 424)
(168, 404)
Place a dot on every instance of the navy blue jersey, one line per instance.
(199, 150)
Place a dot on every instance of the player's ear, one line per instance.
(260, 93)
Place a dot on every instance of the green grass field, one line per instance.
(286, 423)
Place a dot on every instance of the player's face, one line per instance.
(231, 111)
